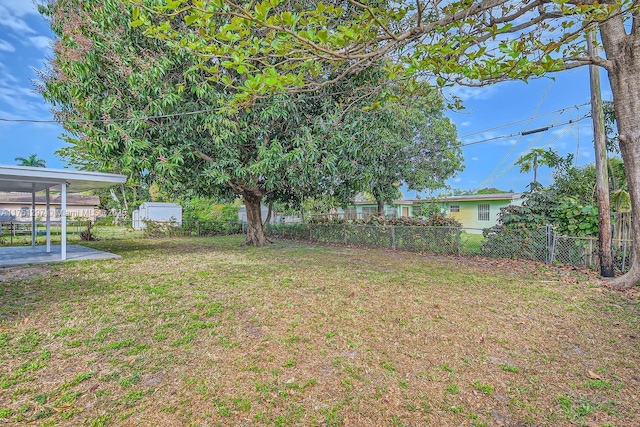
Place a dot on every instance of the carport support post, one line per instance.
(63, 221)
(48, 208)
(33, 214)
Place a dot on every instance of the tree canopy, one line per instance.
(538, 157)
(276, 45)
(139, 106)
(407, 140)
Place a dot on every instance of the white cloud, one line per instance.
(19, 101)
(20, 7)
(16, 24)
(41, 42)
(467, 123)
(6, 46)
(509, 142)
(13, 12)
(475, 159)
(473, 93)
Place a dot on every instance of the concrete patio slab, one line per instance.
(21, 255)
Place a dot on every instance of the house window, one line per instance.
(24, 212)
(350, 214)
(483, 212)
(369, 211)
(454, 208)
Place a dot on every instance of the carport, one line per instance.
(32, 180)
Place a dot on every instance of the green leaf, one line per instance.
(287, 18)
(190, 19)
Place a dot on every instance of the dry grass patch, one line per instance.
(207, 332)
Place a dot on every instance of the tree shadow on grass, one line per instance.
(183, 245)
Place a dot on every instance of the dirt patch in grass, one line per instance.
(207, 332)
(18, 273)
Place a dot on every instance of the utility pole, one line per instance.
(605, 252)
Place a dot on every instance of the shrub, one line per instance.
(436, 220)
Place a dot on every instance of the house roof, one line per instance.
(374, 203)
(28, 179)
(480, 197)
(465, 198)
(25, 198)
(159, 205)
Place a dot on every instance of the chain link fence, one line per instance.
(583, 251)
(439, 240)
(19, 233)
(541, 244)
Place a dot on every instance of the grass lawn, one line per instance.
(207, 332)
(73, 234)
(471, 243)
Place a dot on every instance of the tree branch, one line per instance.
(204, 157)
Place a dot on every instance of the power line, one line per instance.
(127, 119)
(523, 133)
(510, 166)
(561, 110)
(513, 147)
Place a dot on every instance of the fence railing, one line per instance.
(19, 233)
(542, 244)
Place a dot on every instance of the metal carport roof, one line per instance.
(26, 179)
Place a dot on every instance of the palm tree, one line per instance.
(538, 157)
(31, 161)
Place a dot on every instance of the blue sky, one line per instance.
(25, 45)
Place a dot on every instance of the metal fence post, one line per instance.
(550, 244)
(393, 237)
(344, 228)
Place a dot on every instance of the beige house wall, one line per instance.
(22, 212)
(19, 206)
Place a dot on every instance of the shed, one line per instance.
(157, 211)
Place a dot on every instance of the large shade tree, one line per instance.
(140, 106)
(407, 140)
(473, 43)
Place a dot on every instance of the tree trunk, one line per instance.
(255, 230)
(269, 213)
(623, 53)
(605, 250)
(380, 203)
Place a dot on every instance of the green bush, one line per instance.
(156, 229)
(440, 240)
(436, 220)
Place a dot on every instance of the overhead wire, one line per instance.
(524, 133)
(560, 110)
(510, 166)
(513, 147)
(114, 120)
